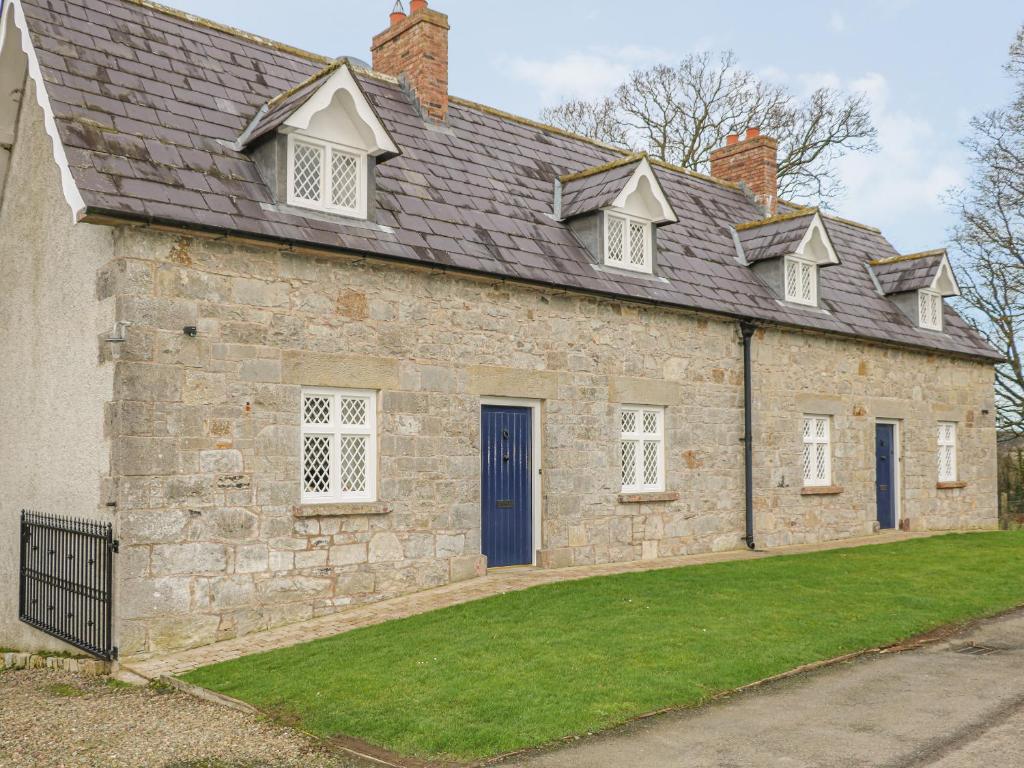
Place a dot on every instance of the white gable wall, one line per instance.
(53, 389)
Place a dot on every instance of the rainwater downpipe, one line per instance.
(747, 329)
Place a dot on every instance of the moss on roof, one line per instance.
(776, 219)
(627, 160)
(329, 69)
(908, 257)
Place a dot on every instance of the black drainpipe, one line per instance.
(747, 328)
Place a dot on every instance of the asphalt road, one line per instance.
(934, 707)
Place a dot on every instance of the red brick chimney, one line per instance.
(416, 46)
(753, 161)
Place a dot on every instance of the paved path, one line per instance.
(494, 583)
(936, 707)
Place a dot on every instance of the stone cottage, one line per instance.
(311, 333)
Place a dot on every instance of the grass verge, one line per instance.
(527, 668)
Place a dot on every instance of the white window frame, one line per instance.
(929, 303)
(627, 230)
(811, 441)
(336, 431)
(640, 438)
(323, 204)
(810, 300)
(947, 442)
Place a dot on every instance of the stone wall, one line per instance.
(206, 430)
(53, 388)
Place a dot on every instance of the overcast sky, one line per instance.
(927, 65)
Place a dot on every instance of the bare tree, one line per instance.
(989, 237)
(680, 114)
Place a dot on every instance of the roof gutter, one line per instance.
(747, 330)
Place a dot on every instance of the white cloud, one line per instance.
(837, 21)
(907, 177)
(581, 74)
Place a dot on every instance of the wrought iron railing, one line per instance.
(65, 580)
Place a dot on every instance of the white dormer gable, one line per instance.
(929, 300)
(800, 275)
(816, 247)
(643, 197)
(339, 112)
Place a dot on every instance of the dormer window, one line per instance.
(613, 209)
(929, 310)
(326, 176)
(917, 283)
(786, 251)
(628, 242)
(317, 145)
(801, 281)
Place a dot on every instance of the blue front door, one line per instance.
(885, 474)
(507, 488)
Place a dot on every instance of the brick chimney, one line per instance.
(753, 161)
(416, 46)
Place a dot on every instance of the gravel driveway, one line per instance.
(56, 720)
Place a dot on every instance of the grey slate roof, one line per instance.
(272, 114)
(148, 104)
(596, 188)
(775, 237)
(908, 273)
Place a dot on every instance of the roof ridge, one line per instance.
(805, 211)
(636, 157)
(907, 257)
(495, 112)
(229, 30)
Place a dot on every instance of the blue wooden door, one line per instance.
(507, 488)
(885, 474)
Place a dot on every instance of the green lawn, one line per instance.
(527, 668)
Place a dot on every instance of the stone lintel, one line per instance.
(820, 404)
(627, 389)
(489, 380)
(318, 369)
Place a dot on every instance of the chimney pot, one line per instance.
(415, 48)
(732, 138)
(753, 132)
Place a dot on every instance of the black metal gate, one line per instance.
(66, 577)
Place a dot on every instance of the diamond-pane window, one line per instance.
(817, 451)
(353, 410)
(947, 452)
(339, 446)
(317, 409)
(325, 176)
(930, 308)
(643, 449)
(307, 169)
(627, 243)
(344, 180)
(801, 282)
(317, 464)
(616, 239)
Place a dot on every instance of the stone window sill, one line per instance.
(950, 485)
(821, 490)
(341, 510)
(647, 498)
